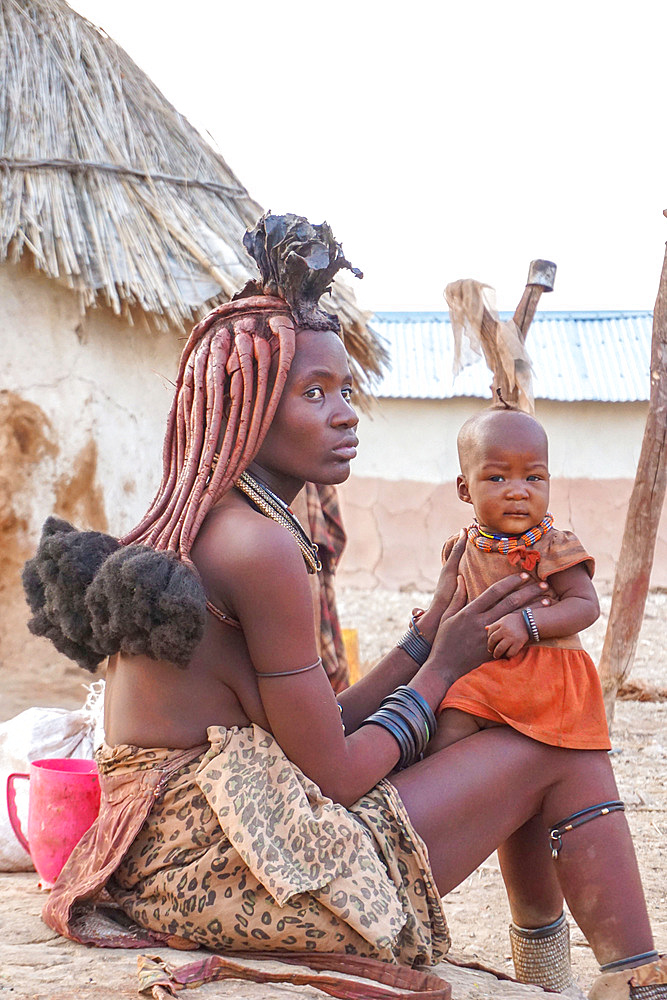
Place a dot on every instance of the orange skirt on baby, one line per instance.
(548, 693)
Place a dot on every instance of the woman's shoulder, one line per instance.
(238, 550)
(235, 535)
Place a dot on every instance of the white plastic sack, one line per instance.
(37, 733)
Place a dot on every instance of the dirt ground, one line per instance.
(33, 963)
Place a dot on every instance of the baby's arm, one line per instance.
(576, 608)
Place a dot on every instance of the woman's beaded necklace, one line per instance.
(487, 541)
(270, 505)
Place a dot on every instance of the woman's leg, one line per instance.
(529, 874)
(539, 934)
(474, 795)
(453, 725)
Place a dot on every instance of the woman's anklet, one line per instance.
(647, 956)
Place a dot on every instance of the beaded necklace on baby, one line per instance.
(487, 541)
(513, 546)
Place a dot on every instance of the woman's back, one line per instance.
(154, 703)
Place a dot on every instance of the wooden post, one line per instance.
(641, 526)
(541, 276)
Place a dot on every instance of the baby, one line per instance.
(539, 680)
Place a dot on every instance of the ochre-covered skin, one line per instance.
(291, 407)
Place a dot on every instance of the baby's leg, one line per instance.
(455, 725)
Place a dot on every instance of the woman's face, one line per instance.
(312, 436)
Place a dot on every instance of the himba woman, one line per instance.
(244, 808)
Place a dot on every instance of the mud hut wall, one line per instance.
(400, 503)
(83, 403)
(98, 389)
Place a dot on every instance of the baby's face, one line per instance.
(506, 476)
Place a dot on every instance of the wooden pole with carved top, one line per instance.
(633, 571)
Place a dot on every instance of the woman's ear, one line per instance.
(462, 489)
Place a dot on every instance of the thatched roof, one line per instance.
(110, 189)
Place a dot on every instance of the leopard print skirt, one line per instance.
(243, 852)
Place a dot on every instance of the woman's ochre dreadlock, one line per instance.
(227, 363)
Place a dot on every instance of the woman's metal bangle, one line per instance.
(410, 720)
(414, 627)
(529, 619)
(427, 712)
(414, 643)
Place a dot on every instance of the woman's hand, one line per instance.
(449, 581)
(461, 642)
(449, 595)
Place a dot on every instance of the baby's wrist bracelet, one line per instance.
(531, 625)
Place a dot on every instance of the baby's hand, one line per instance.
(507, 636)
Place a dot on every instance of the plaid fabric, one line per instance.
(325, 525)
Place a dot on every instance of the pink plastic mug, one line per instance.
(64, 802)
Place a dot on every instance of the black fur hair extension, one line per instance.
(148, 602)
(55, 582)
(92, 598)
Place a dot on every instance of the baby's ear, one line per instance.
(462, 489)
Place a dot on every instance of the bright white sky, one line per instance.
(440, 140)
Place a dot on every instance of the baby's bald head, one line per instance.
(513, 429)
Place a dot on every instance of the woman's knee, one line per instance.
(556, 775)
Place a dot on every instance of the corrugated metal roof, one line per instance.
(603, 356)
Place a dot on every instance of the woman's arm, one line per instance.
(577, 608)
(397, 667)
(266, 586)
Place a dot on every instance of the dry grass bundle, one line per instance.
(641, 691)
(111, 190)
